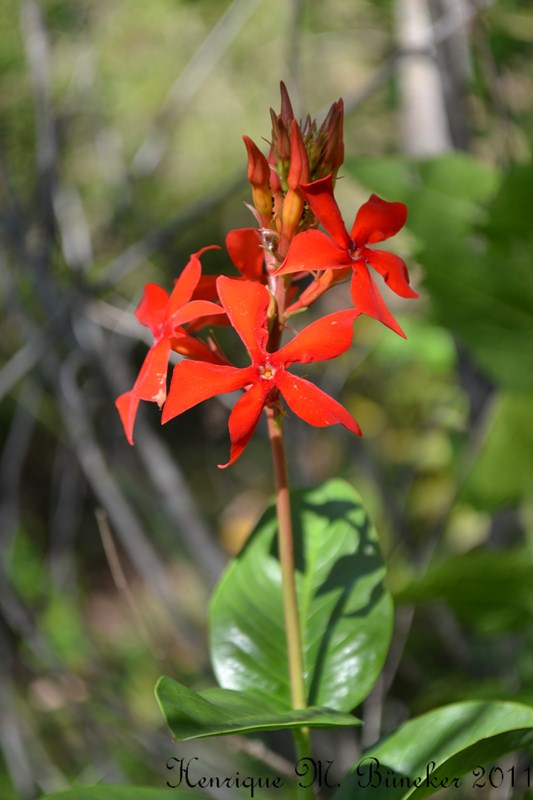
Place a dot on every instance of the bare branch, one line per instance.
(189, 83)
(93, 464)
(16, 758)
(38, 57)
(73, 228)
(119, 577)
(19, 365)
(12, 460)
(163, 472)
(156, 241)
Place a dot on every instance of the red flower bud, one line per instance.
(258, 168)
(291, 214)
(333, 153)
(280, 138)
(299, 162)
(287, 114)
(259, 177)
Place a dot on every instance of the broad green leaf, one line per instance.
(102, 792)
(490, 591)
(215, 712)
(345, 610)
(437, 747)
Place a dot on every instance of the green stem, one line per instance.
(302, 736)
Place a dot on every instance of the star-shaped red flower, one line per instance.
(375, 221)
(246, 304)
(165, 315)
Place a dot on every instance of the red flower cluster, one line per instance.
(292, 192)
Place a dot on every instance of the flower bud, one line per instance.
(291, 214)
(286, 114)
(280, 137)
(259, 177)
(331, 132)
(299, 162)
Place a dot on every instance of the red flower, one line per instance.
(375, 221)
(246, 304)
(165, 315)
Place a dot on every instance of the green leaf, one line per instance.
(216, 712)
(475, 251)
(389, 176)
(441, 194)
(510, 213)
(430, 346)
(490, 591)
(476, 258)
(25, 566)
(447, 743)
(503, 472)
(345, 610)
(101, 792)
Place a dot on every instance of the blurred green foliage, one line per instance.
(446, 464)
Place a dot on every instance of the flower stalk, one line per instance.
(302, 736)
(286, 557)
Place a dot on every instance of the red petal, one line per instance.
(187, 281)
(314, 250)
(218, 319)
(377, 220)
(319, 196)
(326, 338)
(196, 349)
(185, 285)
(152, 308)
(368, 300)
(246, 304)
(244, 248)
(196, 381)
(193, 310)
(313, 405)
(244, 418)
(151, 384)
(127, 405)
(206, 288)
(393, 270)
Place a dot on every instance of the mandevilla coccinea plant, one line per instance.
(301, 621)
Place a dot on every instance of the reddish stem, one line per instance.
(286, 557)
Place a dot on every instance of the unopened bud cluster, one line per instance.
(299, 154)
